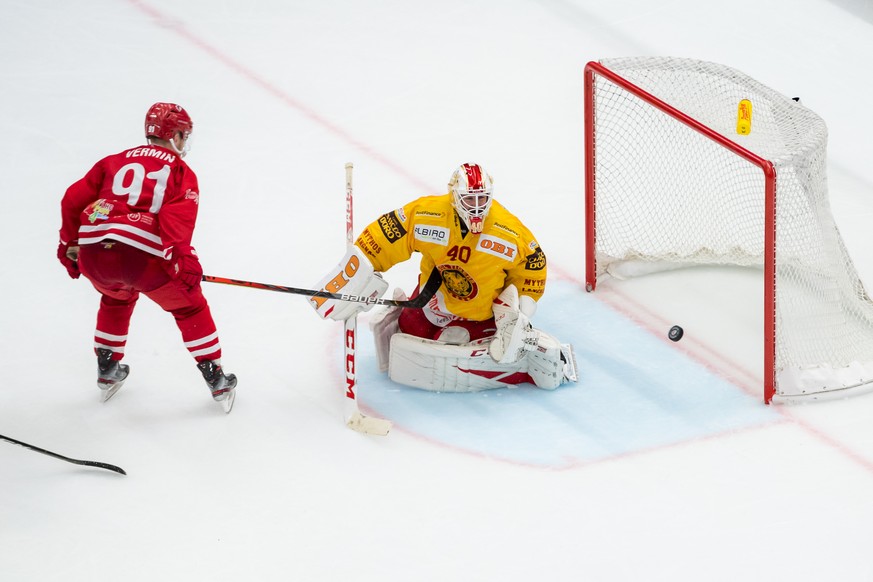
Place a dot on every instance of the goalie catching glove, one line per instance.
(354, 275)
(514, 335)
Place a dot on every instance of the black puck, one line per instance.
(675, 333)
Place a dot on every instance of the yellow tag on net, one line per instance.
(744, 117)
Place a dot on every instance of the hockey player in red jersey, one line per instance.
(127, 227)
(475, 332)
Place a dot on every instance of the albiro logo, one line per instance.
(432, 234)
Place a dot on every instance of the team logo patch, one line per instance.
(432, 234)
(392, 227)
(458, 283)
(536, 261)
(99, 211)
(497, 246)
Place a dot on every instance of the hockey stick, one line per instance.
(430, 287)
(355, 420)
(63, 458)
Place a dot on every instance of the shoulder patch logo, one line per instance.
(536, 261)
(392, 227)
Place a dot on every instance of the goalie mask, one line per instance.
(165, 120)
(471, 189)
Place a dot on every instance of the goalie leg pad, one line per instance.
(384, 325)
(552, 363)
(439, 367)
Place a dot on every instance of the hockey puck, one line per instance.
(675, 333)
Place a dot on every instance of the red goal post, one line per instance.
(694, 163)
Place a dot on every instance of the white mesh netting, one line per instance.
(667, 195)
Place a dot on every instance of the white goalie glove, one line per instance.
(354, 275)
(514, 336)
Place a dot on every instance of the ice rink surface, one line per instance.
(661, 463)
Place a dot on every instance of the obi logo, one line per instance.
(497, 247)
(391, 227)
(432, 234)
(99, 211)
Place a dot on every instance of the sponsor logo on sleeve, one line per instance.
(432, 234)
(497, 247)
(392, 227)
(506, 228)
(536, 261)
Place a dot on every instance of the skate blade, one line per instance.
(227, 403)
(571, 373)
(108, 393)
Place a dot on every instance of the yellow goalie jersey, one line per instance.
(475, 268)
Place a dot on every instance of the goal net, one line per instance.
(694, 163)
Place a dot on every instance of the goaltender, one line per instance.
(475, 332)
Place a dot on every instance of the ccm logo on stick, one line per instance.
(350, 364)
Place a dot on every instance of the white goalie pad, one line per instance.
(439, 367)
(384, 325)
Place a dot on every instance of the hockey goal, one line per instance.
(695, 163)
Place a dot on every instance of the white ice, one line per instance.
(662, 463)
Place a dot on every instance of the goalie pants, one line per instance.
(415, 322)
(120, 273)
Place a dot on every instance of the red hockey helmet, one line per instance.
(163, 120)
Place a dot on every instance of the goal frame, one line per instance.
(594, 69)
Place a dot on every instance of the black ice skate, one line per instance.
(110, 373)
(223, 387)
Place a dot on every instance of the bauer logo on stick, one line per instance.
(744, 117)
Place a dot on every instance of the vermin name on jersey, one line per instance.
(497, 247)
(432, 234)
(151, 153)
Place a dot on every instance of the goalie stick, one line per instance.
(430, 287)
(353, 417)
(63, 458)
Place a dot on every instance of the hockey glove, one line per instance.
(68, 255)
(186, 266)
(515, 336)
(354, 275)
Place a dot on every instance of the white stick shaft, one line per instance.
(352, 415)
(351, 324)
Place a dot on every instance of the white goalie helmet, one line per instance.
(471, 189)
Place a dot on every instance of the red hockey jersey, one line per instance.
(145, 197)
